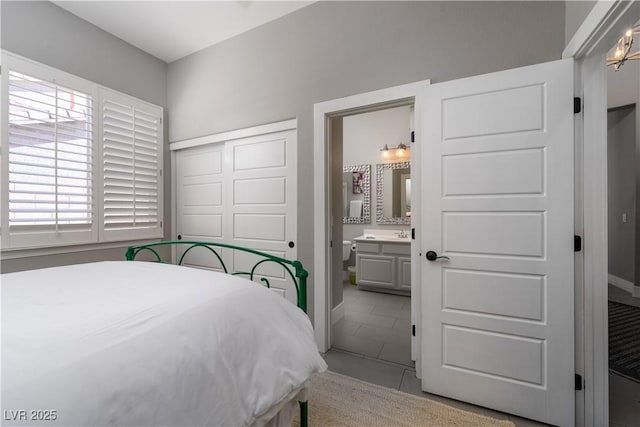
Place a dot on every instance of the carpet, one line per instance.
(624, 340)
(340, 401)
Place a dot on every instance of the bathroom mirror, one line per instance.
(393, 201)
(356, 195)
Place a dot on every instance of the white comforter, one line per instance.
(136, 343)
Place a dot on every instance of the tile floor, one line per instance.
(376, 325)
(373, 343)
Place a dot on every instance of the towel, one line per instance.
(355, 208)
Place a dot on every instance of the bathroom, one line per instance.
(374, 317)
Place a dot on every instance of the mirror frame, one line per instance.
(366, 195)
(380, 219)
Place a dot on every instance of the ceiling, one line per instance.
(170, 30)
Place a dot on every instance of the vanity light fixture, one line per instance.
(385, 153)
(401, 152)
(622, 51)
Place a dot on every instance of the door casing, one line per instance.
(600, 30)
(323, 113)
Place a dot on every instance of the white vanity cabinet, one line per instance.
(384, 266)
(404, 273)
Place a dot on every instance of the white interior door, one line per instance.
(498, 324)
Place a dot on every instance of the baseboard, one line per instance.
(337, 313)
(623, 284)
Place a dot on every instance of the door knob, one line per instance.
(432, 256)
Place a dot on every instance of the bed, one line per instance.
(150, 343)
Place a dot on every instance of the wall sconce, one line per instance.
(622, 51)
(400, 153)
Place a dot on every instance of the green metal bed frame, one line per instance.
(293, 269)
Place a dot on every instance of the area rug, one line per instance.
(624, 340)
(340, 401)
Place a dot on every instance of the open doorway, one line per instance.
(371, 206)
(623, 187)
(328, 221)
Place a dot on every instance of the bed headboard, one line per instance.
(293, 269)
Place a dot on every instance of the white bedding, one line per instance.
(136, 343)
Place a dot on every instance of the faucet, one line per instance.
(402, 234)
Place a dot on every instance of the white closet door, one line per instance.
(200, 188)
(498, 323)
(261, 202)
(241, 192)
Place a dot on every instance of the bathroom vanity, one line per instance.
(383, 263)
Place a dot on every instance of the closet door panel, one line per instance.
(200, 191)
(261, 204)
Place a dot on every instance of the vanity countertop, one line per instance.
(387, 238)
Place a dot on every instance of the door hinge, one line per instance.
(413, 330)
(413, 234)
(577, 243)
(579, 383)
(413, 136)
(577, 105)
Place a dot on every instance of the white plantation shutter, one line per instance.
(131, 162)
(79, 163)
(49, 161)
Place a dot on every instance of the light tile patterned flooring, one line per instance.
(373, 343)
(375, 325)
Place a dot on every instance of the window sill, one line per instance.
(6, 254)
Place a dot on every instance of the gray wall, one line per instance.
(48, 34)
(575, 13)
(621, 158)
(334, 49)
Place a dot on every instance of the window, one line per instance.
(80, 163)
(49, 153)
